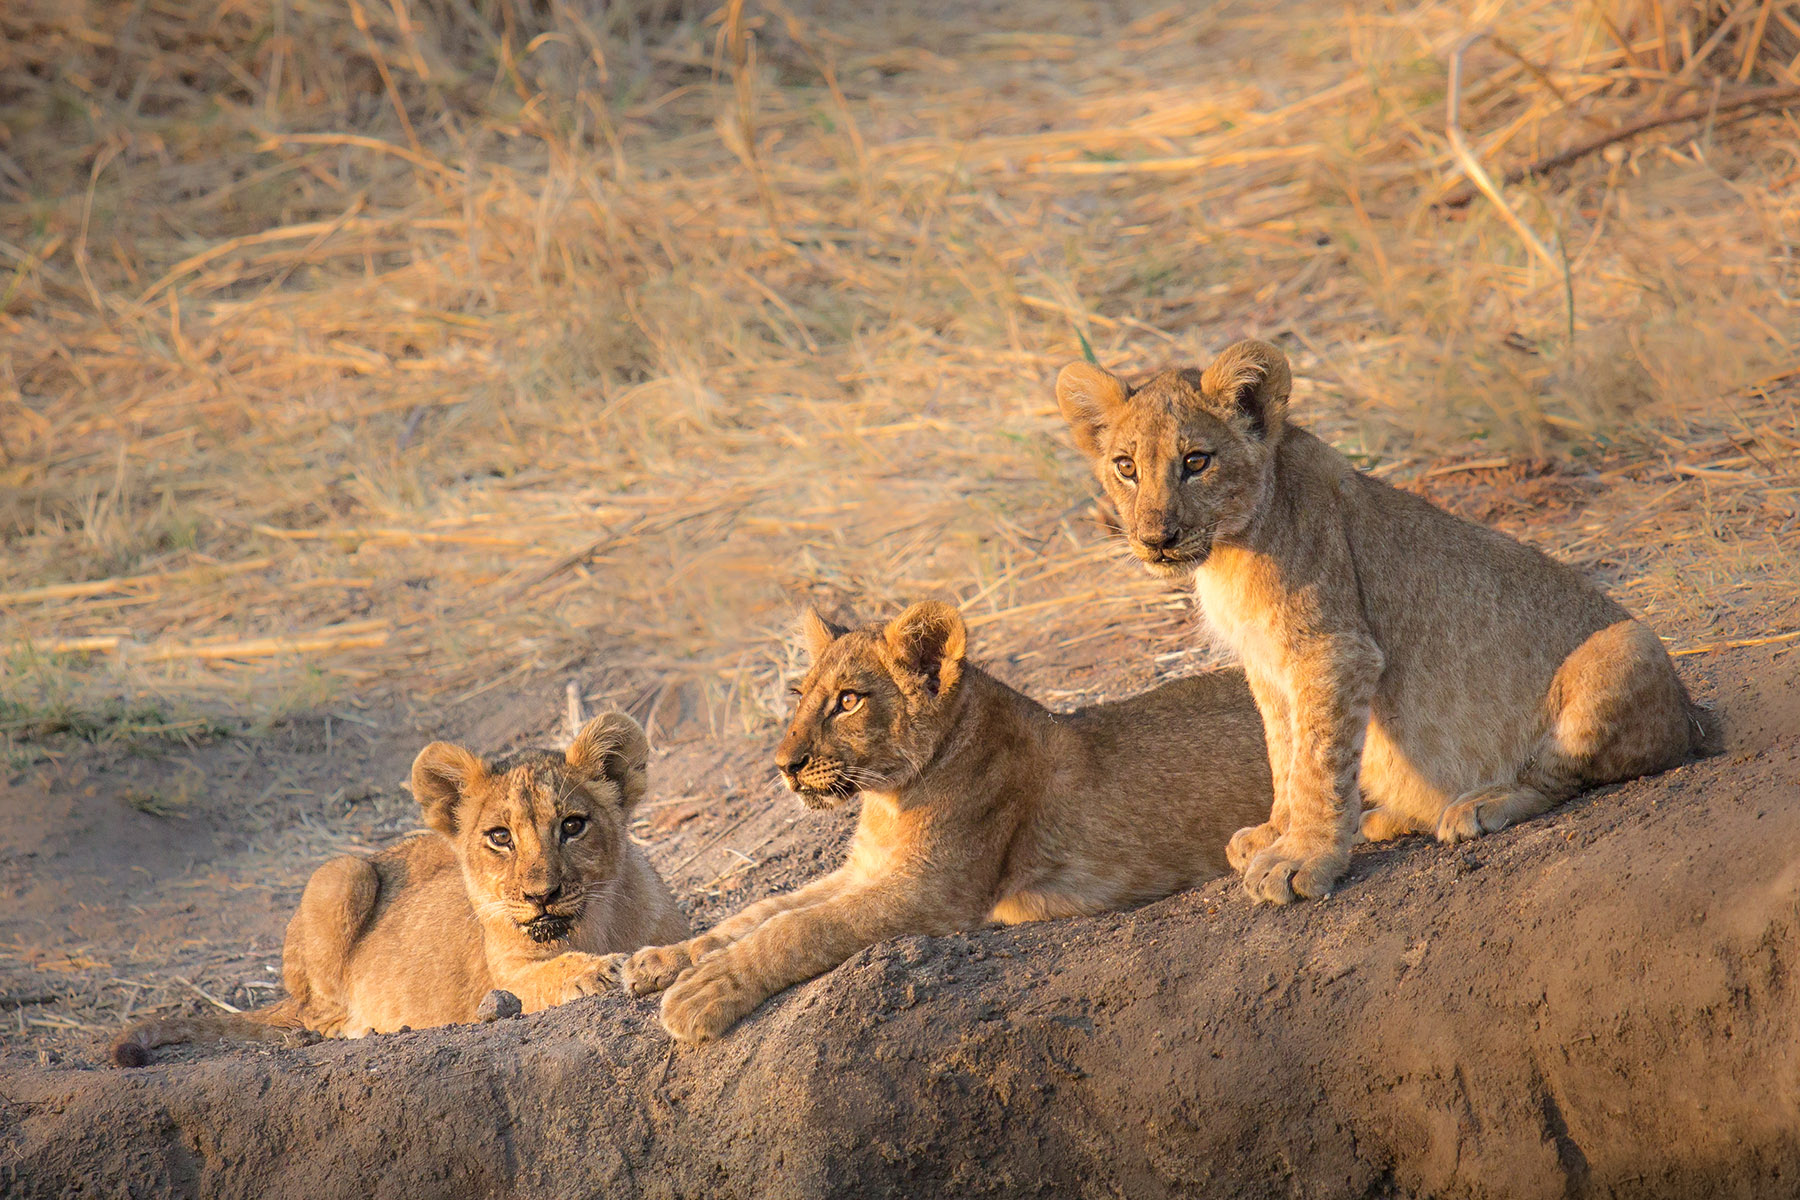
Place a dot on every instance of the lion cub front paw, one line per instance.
(1290, 869)
(654, 968)
(586, 975)
(1247, 843)
(705, 1002)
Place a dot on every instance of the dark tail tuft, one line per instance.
(1708, 731)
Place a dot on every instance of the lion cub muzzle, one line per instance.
(819, 782)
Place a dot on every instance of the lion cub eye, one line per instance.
(499, 837)
(573, 827)
(1125, 467)
(848, 701)
(1197, 461)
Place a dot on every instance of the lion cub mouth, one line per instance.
(548, 928)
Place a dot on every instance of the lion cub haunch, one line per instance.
(1451, 678)
(978, 804)
(525, 883)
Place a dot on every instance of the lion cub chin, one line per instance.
(526, 883)
(1448, 676)
(978, 804)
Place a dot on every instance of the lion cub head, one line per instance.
(874, 705)
(1186, 457)
(540, 835)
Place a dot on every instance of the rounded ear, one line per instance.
(1090, 398)
(818, 632)
(441, 775)
(1251, 379)
(929, 642)
(613, 746)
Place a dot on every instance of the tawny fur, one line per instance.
(1445, 675)
(527, 882)
(978, 805)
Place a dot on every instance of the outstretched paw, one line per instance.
(1247, 843)
(586, 974)
(654, 968)
(1290, 870)
(705, 1002)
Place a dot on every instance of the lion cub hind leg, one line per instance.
(1618, 709)
(338, 901)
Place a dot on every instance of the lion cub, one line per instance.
(526, 882)
(1489, 681)
(977, 804)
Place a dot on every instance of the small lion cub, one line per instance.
(526, 882)
(978, 804)
(1450, 677)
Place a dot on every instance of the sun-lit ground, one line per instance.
(368, 354)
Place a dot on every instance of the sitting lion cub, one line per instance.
(1490, 682)
(527, 881)
(977, 804)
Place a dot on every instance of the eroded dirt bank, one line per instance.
(1598, 1003)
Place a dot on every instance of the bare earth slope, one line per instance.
(1596, 1003)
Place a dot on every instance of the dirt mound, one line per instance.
(1600, 1002)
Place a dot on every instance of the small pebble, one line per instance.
(498, 1005)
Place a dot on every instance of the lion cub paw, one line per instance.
(1247, 843)
(1488, 811)
(1292, 870)
(704, 1003)
(654, 968)
(1381, 823)
(586, 974)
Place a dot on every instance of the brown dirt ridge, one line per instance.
(1599, 1002)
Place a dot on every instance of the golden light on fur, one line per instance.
(978, 804)
(418, 934)
(1447, 677)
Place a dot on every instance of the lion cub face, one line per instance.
(540, 835)
(874, 705)
(1186, 457)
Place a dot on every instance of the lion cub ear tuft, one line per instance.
(1251, 379)
(929, 642)
(441, 775)
(1090, 398)
(613, 746)
(818, 632)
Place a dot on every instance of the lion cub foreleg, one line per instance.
(548, 982)
(656, 967)
(792, 947)
(1270, 694)
(1332, 684)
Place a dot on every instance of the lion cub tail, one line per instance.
(277, 1023)
(1706, 732)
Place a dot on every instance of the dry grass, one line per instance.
(434, 347)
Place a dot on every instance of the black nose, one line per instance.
(1165, 539)
(792, 764)
(546, 897)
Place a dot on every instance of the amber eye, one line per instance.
(1197, 461)
(1125, 467)
(499, 837)
(573, 827)
(848, 701)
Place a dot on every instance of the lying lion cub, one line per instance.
(1490, 682)
(977, 804)
(527, 881)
